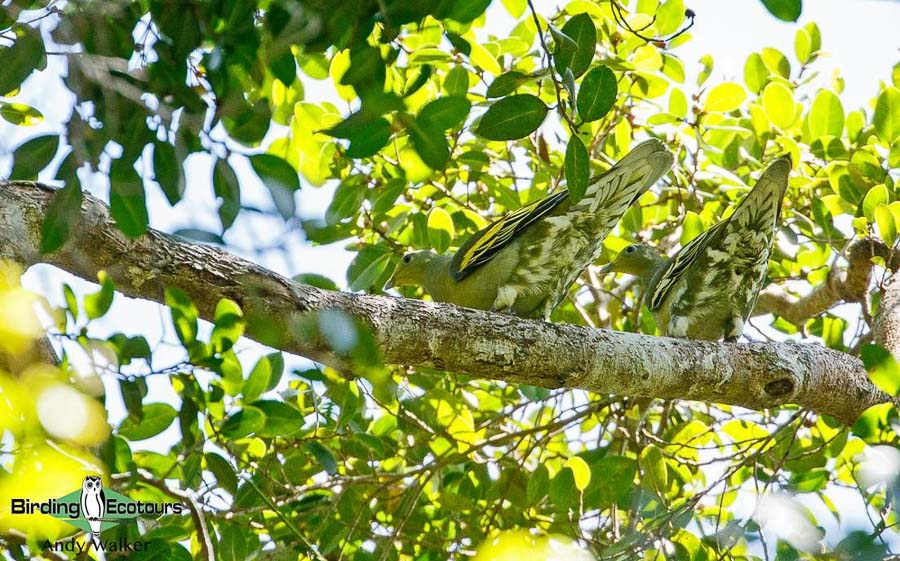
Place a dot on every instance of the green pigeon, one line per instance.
(708, 289)
(525, 262)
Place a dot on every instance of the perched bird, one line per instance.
(525, 262)
(708, 289)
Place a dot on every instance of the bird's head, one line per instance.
(636, 259)
(413, 269)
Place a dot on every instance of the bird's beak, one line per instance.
(606, 269)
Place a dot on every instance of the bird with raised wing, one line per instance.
(708, 289)
(525, 262)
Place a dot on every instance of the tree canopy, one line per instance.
(432, 432)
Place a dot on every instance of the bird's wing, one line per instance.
(489, 241)
(620, 186)
(679, 264)
(754, 218)
(761, 207)
(101, 497)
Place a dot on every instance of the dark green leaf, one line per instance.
(280, 178)
(323, 455)
(348, 198)
(445, 112)
(243, 423)
(507, 83)
(512, 117)
(20, 60)
(787, 10)
(459, 43)
(225, 474)
(464, 12)
(30, 157)
(167, 171)
(127, 200)
(597, 94)
(577, 168)
(430, 143)
(281, 418)
(227, 187)
(63, 215)
(157, 418)
(582, 31)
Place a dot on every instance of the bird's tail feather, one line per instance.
(628, 179)
(762, 205)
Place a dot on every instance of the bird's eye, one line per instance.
(630, 249)
(407, 258)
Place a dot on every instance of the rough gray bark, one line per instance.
(843, 284)
(417, 333)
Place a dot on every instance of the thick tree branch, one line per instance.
(847, 284)
(417, 333)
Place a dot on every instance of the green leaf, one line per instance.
(512, 117)
(887, 115)
(156, 418)
(577, 168)
(538, 484)
(323, 455)
(258, 380)
(348, 199)
(20, 60)
(184, 315)
(581, 30)
(725, 97)
(281, 418)
(707, 62)
(367, 134)
(62, 216)
(691, 227)
(280, 178)
(227, 188)
(653, 467)
(20, 114)
(826, 116)
(228, 325)
(446, 112)
(97, 304)
(597, 94)
(130, 348)
(440, 229)
(883, 368)
(887, 228)
(778, 101)
(786, 10)
(232, 543)
(877, 196)
(30, 157)
(755, 73)
(581, 473)
(245, 422)
(127, 200)
(776, 62)
(506, 83)
(430, 143)
(369, 269)
(222, 470)
(167, 171)
(802, 45)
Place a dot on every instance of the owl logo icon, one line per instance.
(93, 505)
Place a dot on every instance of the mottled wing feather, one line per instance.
(679, 264)
(489, 241)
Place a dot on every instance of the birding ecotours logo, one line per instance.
(94, 510)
